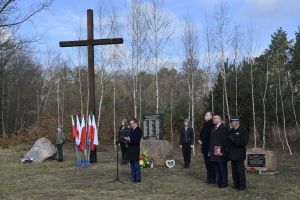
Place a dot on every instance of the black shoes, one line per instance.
(238, 188)
(134, 181)
(186, 165)
(222, 186)
(235, 188)
(210, 182)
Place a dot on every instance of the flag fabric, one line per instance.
(95, 138)
(90, 132)
(93, 133)
(74, 129)
(77, 139)
(82, 144)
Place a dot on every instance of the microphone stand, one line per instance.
(117, 179)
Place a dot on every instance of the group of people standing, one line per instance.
(219, 144)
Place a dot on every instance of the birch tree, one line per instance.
(138, 33)
(250, 50)
(221, 26)
(236, 45)
(190, 42)
(263, 96)
(159, 34)
(208, 29)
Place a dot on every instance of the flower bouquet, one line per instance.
(145, 161)
(252, 170)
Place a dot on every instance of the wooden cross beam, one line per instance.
(90, 43)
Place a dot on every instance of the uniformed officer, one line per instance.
(238, 139)
(60, 140)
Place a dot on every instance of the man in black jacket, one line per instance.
(218, 151)
(186, 142)
(238, 139)
(133, 150)
(205, 141)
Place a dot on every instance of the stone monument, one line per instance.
(41, 150)
(263, 160)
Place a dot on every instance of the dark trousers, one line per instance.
(135, 170)
(210, 169)
(238, 174)
(186, 151)
(123, 149)
(93, 156)
(221, 173)
(60, 156)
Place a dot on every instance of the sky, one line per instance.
(63, 19)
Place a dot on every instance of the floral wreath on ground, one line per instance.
(145, 159)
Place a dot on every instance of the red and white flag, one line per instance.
(74, 129)
(95, 141)
(90, 130)
(78, 127)
(82, 144)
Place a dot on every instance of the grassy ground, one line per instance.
(52, 180)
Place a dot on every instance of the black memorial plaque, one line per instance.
(152, 126)
(256, 160)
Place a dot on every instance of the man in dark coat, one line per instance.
(133, 150)
(218, 151)
(186, 142)
(238, 139)
(204, 140)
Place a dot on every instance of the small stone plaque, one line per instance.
(153, 126)
(256, 160)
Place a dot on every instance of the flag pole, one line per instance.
(89, 141)
(75, 145)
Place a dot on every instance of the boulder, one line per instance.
(41, 150)
(270, 159)
(159, 150)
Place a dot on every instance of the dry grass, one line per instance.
(52, 180)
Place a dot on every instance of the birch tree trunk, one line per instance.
(171, 119)
(101, 97)
(292, 100)
(277, 120)
(283, 113)
(264, 106)
(221, 21)
(138, 32)
(62, 107)
(253, 103)
(159, 28)
(58, 101)
(2, 110)
(208, 37)
(236, 48)
(114, 113)
(140, 100)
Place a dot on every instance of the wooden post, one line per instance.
(91, 72)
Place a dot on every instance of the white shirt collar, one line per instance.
(218, 125)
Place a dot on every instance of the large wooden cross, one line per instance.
(90, 43)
